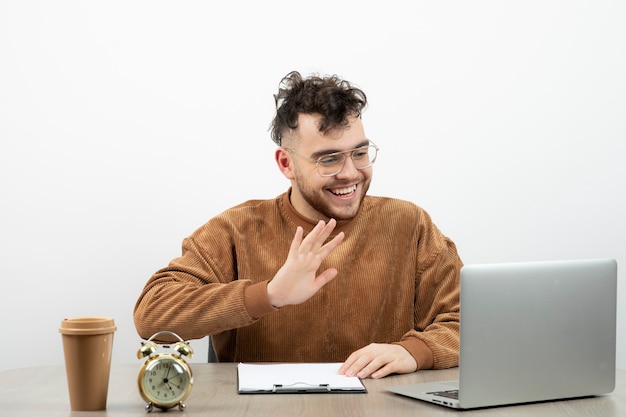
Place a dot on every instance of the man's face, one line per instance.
(317, 197)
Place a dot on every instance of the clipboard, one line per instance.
(296, 378)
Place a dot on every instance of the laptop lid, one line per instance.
(534, 331)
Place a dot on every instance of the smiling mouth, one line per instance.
(342, 192)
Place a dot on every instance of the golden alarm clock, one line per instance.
(165, 379)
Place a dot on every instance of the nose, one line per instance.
(348, 170)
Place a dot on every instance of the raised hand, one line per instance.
(296, 281)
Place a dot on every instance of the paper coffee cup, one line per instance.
(88, 347)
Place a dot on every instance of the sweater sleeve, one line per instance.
(198, 294)
(434, 342)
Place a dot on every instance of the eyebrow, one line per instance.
(316, 155)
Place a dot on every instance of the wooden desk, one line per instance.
(43, 391)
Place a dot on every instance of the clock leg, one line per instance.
(149, 408)
(181, 406)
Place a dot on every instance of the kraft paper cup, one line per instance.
(88, 347)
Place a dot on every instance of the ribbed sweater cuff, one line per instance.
(256, 300)
(420, 352)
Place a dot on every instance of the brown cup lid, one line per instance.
(87, 326)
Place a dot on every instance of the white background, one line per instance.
(125, 125)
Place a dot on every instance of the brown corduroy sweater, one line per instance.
(398, 282)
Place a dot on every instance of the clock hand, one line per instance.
(179, 378)
(167, 384)
(166, 380)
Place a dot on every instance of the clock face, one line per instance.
(165, 381)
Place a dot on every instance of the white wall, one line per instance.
(124, 125)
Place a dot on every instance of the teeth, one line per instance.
(343, 191)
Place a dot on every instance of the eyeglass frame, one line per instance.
(370, 144)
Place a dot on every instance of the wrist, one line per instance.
(272, 296)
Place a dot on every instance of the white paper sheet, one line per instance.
(297, 377)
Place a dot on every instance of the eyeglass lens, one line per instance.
(332, 164)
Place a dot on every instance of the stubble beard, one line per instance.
(319, 202)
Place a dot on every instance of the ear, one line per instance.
(284, 162)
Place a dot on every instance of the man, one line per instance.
(322, 273)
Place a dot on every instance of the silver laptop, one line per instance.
(531, 332)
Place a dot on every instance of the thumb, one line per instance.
(325, 277)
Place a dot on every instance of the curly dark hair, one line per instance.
(335, 99)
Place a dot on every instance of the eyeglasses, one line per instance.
(332, 163)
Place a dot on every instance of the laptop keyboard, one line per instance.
(454, 394)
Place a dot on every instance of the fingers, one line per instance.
(296, 241)
(297, 280)
(327, 248)
(377, 361)
(313, 243)
(315, 240)
(361, 363)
